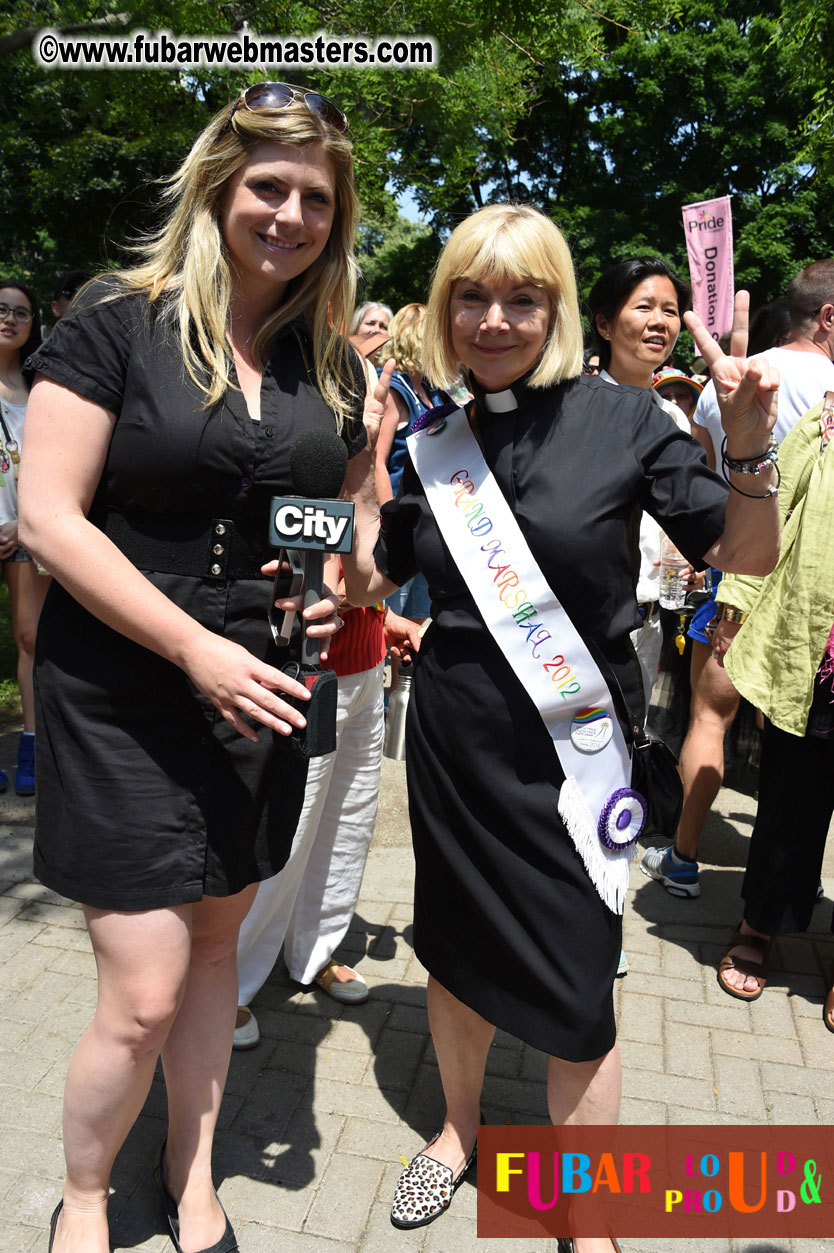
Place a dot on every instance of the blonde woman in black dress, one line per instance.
(161, 424)
(507, 920)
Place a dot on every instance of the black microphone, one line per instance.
(311, 522)
(304, 527)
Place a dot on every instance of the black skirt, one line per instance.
(505, 914)
(146, 796)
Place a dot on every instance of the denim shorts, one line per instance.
(412, 600)
(704, 613)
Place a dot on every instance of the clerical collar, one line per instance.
(500, 402)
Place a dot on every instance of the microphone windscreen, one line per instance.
(318, 464)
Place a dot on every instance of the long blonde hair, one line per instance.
(186, 259)
(507, 241)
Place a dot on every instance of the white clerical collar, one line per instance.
(500, 402)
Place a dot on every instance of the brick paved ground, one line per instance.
(316, 1119)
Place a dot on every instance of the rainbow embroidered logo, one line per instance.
(591, 714)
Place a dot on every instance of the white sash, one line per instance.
(602, 814)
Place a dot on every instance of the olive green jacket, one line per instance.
(774, 657)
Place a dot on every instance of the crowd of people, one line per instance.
(512, 485)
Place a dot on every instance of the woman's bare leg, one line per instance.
(142, 961)
(195, 1059)
(461, 1041)
(585, 1094)
(714, 705)
(27, 590)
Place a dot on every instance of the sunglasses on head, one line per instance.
(269, 97)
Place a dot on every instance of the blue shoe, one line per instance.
(679, 875)
(24, 775)
(622, 964)
(4, 780)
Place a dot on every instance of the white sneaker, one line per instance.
(679, 877)
(247, 1036)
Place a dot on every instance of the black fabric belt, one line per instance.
(208, 548)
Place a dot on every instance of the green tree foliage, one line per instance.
(608, 114)
(79, 148)
(702, 107)
(805, 36)
(397, 261)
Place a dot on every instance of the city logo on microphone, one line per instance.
(324, 525)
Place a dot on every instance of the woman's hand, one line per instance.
(8, 539)
(320, 619)
(375, 403)
(722, 637)
(402, 636)
(239, 684)
(747, 389)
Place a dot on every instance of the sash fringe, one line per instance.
(609, 871)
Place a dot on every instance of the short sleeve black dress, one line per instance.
(146, 796)
(505, 916)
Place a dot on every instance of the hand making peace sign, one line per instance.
(746, 388)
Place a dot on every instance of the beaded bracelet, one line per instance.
(750, 465)
(771, 491)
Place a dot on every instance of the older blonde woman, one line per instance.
(160, 426)
(411, 394)
(516, 913)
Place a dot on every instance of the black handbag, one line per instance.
(656, 776)
(319, 735)
(654, 767)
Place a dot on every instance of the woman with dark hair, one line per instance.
(636, 310)
(20, 335)
(643, 300)
(163, 421)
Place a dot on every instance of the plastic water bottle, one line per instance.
(394, 743)
(673, 587)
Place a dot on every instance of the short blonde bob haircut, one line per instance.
(186, 259)
(405, 342)
(501, 242)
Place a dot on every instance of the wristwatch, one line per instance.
(729, 613)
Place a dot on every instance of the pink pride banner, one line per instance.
(708, 226)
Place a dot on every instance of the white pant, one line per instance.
(309, 905)
(648, 641)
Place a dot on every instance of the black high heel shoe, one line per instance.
(564, 1244)
(53, 1223)
(228, 1241)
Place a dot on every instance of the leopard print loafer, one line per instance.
(425, 1190)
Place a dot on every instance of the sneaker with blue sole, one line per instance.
(679, 875)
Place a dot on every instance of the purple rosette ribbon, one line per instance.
(622, 819)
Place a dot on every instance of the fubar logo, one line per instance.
(671, 1182)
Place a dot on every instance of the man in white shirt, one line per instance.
(806, 372)
(805, 362)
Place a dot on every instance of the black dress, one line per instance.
(146, 796)
(505, 915)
